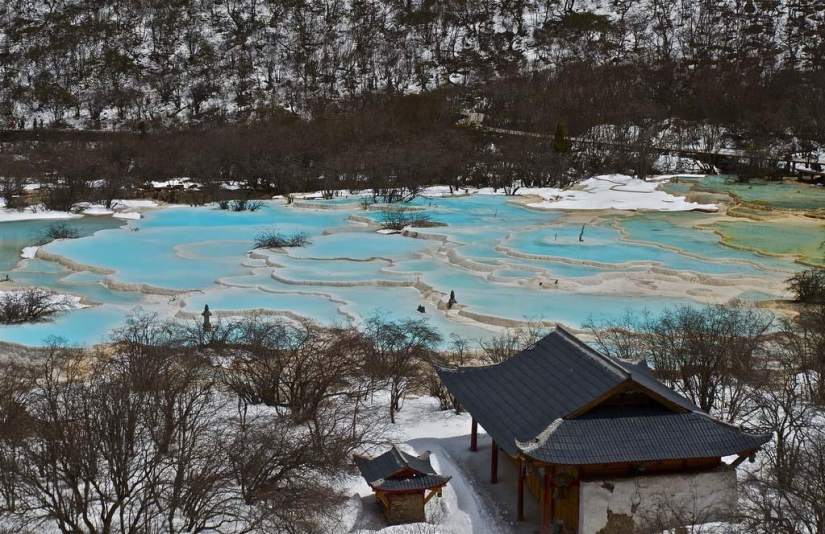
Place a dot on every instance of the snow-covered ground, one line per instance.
(183, 183)
(469, 503)
(32, 212)
(611, 191)
(128, 216)
(29, 252)
(604, 192)
(615, 191)
(600, 192)
(121, 209)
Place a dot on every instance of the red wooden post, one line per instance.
(474, 435)
(552, 499)
(494, 463)
(520, 503)
(545, 503)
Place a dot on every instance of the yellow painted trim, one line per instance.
(383, 498)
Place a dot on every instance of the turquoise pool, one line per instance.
(501, 259)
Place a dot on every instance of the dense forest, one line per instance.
(752, 66)
(282, 96)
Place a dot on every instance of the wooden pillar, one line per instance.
(520, 503)
(545, 502)
(494, 463)
(474, 435)
(552, 487)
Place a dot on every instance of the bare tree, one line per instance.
(396, 353)
(499, 348)
(787, 494)
(708, 354)
(28, 305)
(136, 437)
(804, 337)
(295, 367)
(458, 354)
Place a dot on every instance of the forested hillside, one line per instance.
(754, 65)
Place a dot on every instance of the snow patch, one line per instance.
(29, 252)
(128, 216)
(183, 183)
(139, 203)
(93, 209)
(32, 213)
(614, 191)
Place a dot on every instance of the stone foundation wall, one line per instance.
(652, 503)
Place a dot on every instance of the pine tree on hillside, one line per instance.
(561, 144)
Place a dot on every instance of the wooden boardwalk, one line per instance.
(59, 135)
(722, 157)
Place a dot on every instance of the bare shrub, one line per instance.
(504, 346)
(391, 195)
(241, 204)
(458, 354)
(397, 351)
(245, 205)
(296, 368)
(57, 230)
(808, 286)
(28, 305)
(271, 238)
(238, 205)
(398, 220)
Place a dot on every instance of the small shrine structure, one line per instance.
(402, 483)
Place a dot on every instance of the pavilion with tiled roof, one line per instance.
(566, 414)
(400, 481)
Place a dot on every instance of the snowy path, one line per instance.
(469, 508)
(468, 503)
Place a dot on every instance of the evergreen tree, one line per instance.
(561, 145)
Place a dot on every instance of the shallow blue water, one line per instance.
(676, 230)
(16, 235)
(206, 250)
(316, 307)
(85, 326)
(602, 245)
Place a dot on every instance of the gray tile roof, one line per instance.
(613, 434)
(527, 400)
(381, 472)
(416, 483)
(518, 398)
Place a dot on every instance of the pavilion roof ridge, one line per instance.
(610, 363)
(536, 442)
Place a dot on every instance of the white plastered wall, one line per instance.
(654, 500)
